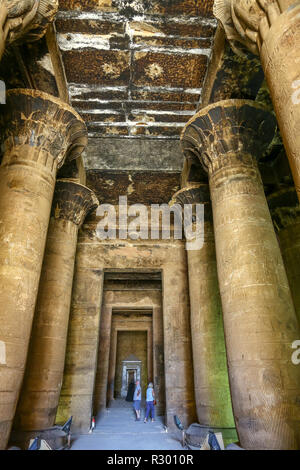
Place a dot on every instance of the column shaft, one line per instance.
(45, 364)
(100, 394)
(158, 360)
(259, 317)
(180, 399)
(280, 60)
(26, 193)
(285, 212)
(38, 134)
(76, 398)
(112, 366)
(289, 240)
(212, 393)
(271, 29)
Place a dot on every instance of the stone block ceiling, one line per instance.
(135, 68)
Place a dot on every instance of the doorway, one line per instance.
(131, 330)
(131, 360)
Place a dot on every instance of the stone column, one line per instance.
(46, 357)
(179, 384)
(212, 393)
(24, 20)
(259, 318)
(158, 360)
(112, 366)
(39, 132)
(76, 398)
(285, 211)
(272, 30)
(100, 392)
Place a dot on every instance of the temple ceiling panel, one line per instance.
(135, 68)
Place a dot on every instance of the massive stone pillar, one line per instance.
(179, 386)
(46, 357)
(39, 132)
(100, 392)
(24, 20)
(259, 317)
(285, 211)
(212, 393)
(76, 398)
(271, 28)
(158, 360)
(112, 367)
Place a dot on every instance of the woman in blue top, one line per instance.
(150, 398)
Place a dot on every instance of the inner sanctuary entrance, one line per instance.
(131, 341)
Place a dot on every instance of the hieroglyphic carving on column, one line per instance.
(271, 28)
(24, 20)
(195, 193)
(46, 357)
(228, 130)
(260, 322)
(72, 201)
(38, 132)
(211, 385)
(246, 22)
(38, 121)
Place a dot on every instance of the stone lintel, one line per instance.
(43, 122)
(284, 207)
(228, 131)
(72, 201)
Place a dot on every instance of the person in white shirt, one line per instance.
(137, 400)
(150, 402)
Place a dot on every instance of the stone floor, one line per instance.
(118, 430)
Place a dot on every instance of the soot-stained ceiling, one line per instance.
(135, 69)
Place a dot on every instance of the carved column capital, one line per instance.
(197, 193)
(25, 20)
(227, 132)
(72, 201)
(284, 208)
(42, 125)
(247, 22)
